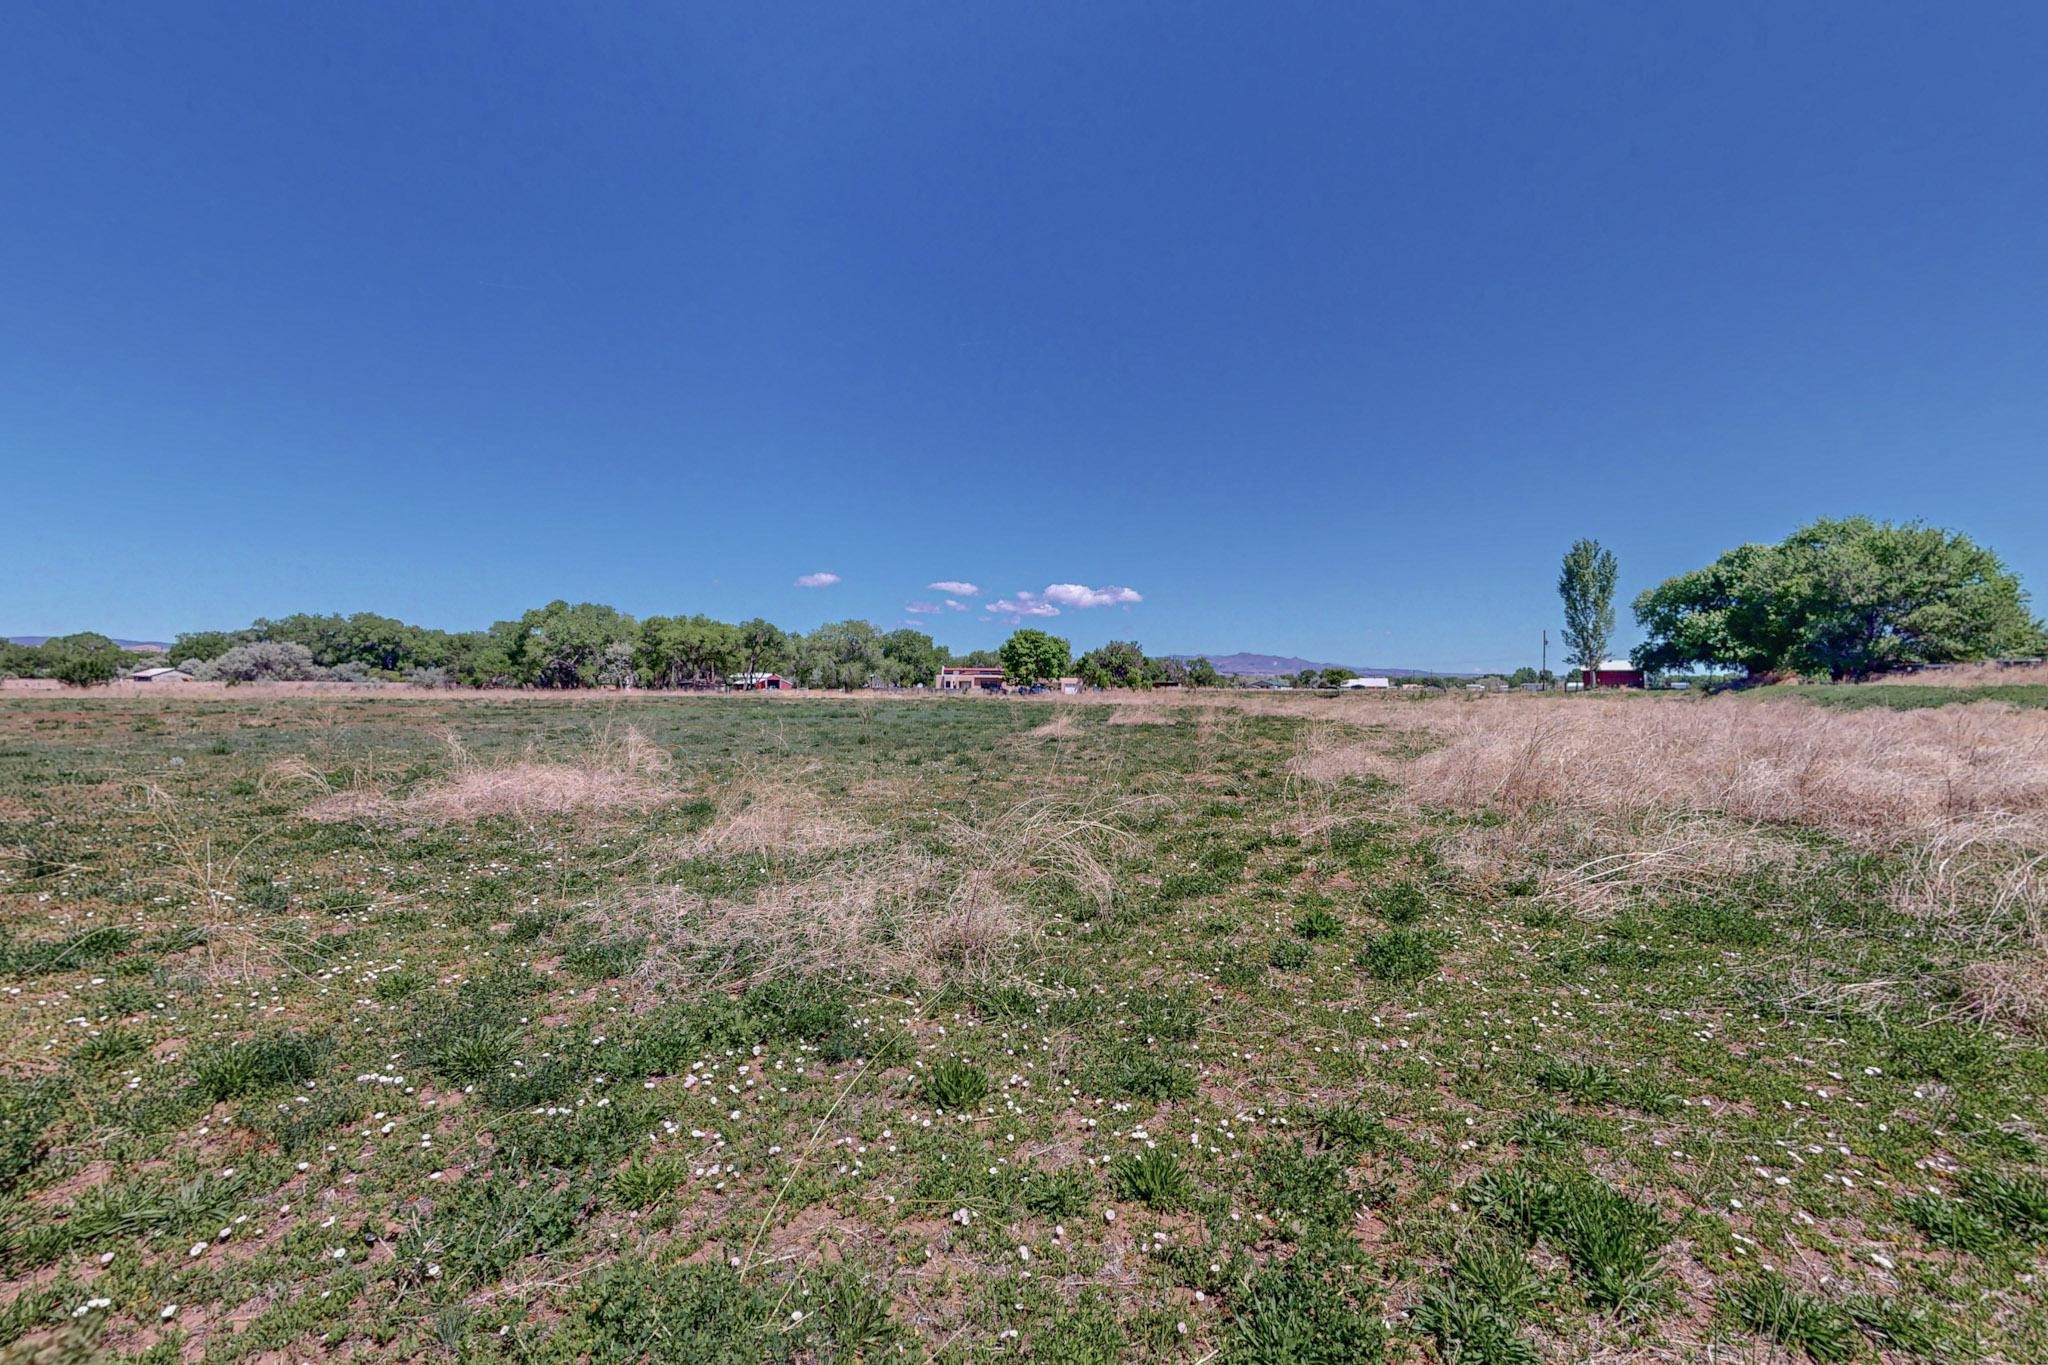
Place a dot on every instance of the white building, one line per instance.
(1366, 682)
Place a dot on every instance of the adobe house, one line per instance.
(966, 678)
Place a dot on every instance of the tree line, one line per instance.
(567, 645)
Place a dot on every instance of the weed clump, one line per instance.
(1769, 1307)
(237, 1069)
(1305, 1312)
(1402, 903)
(1398, 957)
(1610, 1239)
(1153, 1177)
(1318, 922)
(955, 1086)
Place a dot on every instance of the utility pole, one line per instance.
(1543, 673)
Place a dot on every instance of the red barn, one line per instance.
(1613, 673)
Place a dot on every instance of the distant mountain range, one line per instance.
(1286, 666)
(153, 646)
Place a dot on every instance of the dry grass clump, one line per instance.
(627, 773)
(890, 910)
(1611, 798)
(1876, 775)
(1327, 753)
(1594, 862)
(1967, 675)
(888, 914)
(773, 814)
(1061, 726)
(1140, 713)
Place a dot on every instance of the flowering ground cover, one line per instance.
(746, 1028)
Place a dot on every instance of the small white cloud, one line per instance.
(1080, 595)
(951, 605)
(817, 580)
(1022, 605)
(954, 588)
(923, 608)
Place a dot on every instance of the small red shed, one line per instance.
(1613, 673)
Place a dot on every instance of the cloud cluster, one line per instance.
(1079, 595)
(1018, 605)
(1021, 605)
(820, 579)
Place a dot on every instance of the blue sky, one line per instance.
(1322, 329)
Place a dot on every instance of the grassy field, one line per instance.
(1907, 697)
(1283, 1030)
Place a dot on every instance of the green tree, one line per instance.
(976, 658)
(1842, 598)
(560, 645)
(1163, 672)
(681, 651)
(843, 654)
(1202, 673)
(764, 647)
(209, 644)
(912, 657)
(1119, 663)
(82, 660)
(1333, 677)
(1586, 583)
(1033, 656)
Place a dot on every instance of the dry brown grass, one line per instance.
(1874, 775)
(774, 814)
(1061, 726)
(889, 910)
(888, 914)
(1595, 863)
(629, 772)
(1968, 675)
(1611, 798)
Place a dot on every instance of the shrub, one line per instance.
(262, 661)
